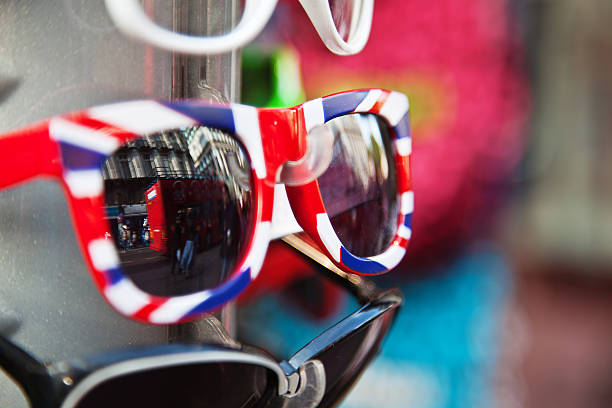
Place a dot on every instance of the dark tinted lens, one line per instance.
(180, 206)
(347, 358)
(359, 188)
(342, 13)
(195, 385)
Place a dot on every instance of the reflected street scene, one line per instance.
(180, 207)
(359, 186)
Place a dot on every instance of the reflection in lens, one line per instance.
(359, 188)
(180, 208)
(188, 385)
(346, 360)
(342, 14)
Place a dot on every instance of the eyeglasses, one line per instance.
(173, 202)
(343, 25)
(214, 375)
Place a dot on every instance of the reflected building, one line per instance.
(220, 156)
(137, 164)
(192, 153)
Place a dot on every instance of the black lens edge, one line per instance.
(78, 371)
(386, 301)
(338, 387)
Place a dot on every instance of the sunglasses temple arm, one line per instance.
(26, 154)
(28, 372)
(363, 289)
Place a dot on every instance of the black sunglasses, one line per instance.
(215, 375)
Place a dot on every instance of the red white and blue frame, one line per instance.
(73, 147)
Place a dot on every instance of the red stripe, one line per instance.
(98, 276)
(110, 130)
(404, 178)
(380, 102)
(145, 312)
(402, 242)
(267, 199)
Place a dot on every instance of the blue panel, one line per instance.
(408, 220)
(78, 158)
(224, 294)
(360, 264)
(402, 129)
(114, 275)
(219, 117)
(341, 104)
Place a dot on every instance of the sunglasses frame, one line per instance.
(64, 384)
(130, 18)
(301, 378)
(73, 147)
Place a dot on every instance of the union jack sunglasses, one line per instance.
(173, 202)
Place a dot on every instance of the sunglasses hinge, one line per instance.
(306, 385)
(293, 383)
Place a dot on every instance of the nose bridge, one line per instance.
(284, 136)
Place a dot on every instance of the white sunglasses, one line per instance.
(354, 17)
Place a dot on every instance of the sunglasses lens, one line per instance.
(191, 385)
(342, 14)
(359, 188)
(345, 361)
(180, 207)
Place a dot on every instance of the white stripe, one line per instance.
(103, 254)
(260, 246)
(407, 202)
(175, 308)
(246, 123)
(395, 107)
(141, 117)
(313, 114)
(404, 232)
(403, 146)
(283, 220)
(391, 257)
(82, 136)
(84, 183)
(369, 101)
(126, 297)
(328, 236)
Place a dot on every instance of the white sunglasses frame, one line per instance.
(130, 18)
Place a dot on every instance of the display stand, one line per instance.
(64, 55)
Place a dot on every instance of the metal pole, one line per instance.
(212, 77)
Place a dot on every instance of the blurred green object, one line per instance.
(271, 78)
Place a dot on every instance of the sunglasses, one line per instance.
(213, 375)
(172, 202)
(343, 25)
